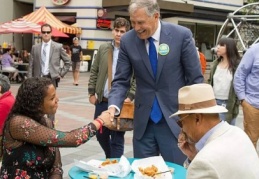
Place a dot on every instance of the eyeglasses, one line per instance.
(180, 121)
(45, 32)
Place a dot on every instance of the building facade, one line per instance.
(10, 10)
(203, 17)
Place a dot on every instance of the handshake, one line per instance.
(106, 118)
(122, 122)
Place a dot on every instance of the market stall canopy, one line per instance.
(43, 15)
(55, 32)
(19, 26)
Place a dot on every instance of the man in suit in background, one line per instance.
(46, 56)
(162, 65)
(213, 147)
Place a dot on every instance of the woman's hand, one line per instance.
(106, 118)
(93, 99)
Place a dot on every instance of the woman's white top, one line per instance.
(222, 80)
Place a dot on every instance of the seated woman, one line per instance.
(23, 58)
(7, 64)
(30, 142)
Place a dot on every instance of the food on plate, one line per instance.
(149, 171)
(108, 162)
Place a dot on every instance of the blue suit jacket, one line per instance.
(178, 68)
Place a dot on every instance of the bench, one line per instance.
(4, 71)
(22, 72)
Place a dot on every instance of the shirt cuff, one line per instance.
(241, 96)
(186, 163)
(117, 110)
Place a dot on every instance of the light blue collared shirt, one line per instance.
(246, 81)
(201, 143)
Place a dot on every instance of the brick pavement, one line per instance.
(75, 111)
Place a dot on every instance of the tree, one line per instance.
(252, 1)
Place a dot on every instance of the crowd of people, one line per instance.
(13, 61)
(156, 65)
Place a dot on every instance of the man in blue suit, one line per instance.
(161, 65)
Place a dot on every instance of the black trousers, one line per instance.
(112, 142)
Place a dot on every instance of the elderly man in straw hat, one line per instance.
(213, 147)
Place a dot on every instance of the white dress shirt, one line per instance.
(45, 70)
(156, 37)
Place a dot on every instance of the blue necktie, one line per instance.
(156, 113)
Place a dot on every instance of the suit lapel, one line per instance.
(165, 38)
(144, 56)
(38, 50)
(52, 47)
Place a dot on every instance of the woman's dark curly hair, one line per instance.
(231, 51)
(30, 98)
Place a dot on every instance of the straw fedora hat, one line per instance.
(198, 98)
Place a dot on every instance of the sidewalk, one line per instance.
(75, 111)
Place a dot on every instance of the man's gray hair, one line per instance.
(151, 6)
(4, 83)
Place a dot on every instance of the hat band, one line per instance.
(199, 105)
